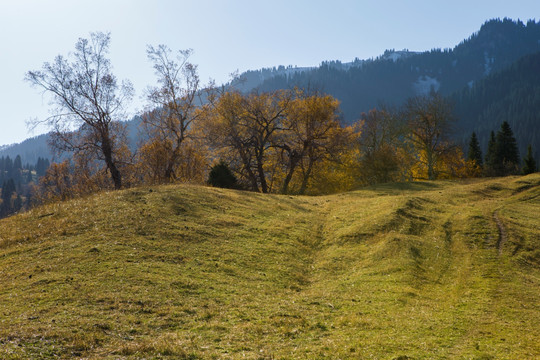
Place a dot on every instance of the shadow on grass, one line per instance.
(412, 186)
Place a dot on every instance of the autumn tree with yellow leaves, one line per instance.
(383, 150)
(311, 132)
(243, 129)
(429, 120)
(275, 140)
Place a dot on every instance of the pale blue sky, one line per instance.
(226, 35)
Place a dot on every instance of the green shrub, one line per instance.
(222, 176)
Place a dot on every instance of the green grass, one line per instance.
(414, 270)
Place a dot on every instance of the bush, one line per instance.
(222, 176)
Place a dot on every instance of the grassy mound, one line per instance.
(416, 270)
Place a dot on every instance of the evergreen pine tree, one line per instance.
(41, 167)
(490, 155)
(17, 163)
(221, 176)
(16, 170)
(17, 204)
(8, 167)
(8, 188)
(475, 153)
(530, 163)
(506, 152)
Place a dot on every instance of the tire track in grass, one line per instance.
(502, 232)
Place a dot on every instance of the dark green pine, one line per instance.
(475, 154)
(529, 166)
(490, 155)
(506, 151)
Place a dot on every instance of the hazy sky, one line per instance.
(226, 35)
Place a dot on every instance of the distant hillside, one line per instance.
(444, 270)
(254, 78)
(30, 150)
(512, 95)
(33, 148)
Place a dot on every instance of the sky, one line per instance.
(225, 35)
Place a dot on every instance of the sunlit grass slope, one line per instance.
(432, 270)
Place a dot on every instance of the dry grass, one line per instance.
(186, 272)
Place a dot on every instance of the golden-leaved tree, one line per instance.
(243, 129)
(276, 141)
(429, 120)
(382, 146)
(311, 134)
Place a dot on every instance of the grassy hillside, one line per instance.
(429, 270)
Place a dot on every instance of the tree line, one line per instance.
(502, 157)
(283, 141)
(17, 181)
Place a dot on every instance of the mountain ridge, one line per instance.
(494, 47)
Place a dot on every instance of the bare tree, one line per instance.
(173, 108)
(88, 101)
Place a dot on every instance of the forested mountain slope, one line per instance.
(512, 95)
(394, 76)
(30, 150)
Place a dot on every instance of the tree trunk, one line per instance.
(430, 170)
(115, 173)
(247, 166)
(169, 174)
(294, 159)
(306, 178)
(288, 178)
(254, 183)
(170, 171)
(262, 178)
(116, 176)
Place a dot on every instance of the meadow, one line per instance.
(420, 270)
